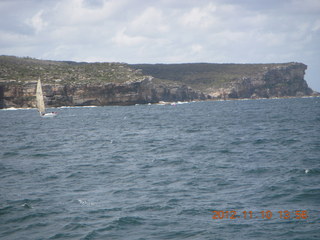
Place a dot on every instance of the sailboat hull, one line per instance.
(51, 114)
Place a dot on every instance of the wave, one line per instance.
(15, 109)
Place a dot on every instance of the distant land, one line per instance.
(67, 83)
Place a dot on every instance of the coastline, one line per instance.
(163, 103)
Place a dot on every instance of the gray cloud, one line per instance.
(138, 31)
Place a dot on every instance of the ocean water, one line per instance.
(203, 170)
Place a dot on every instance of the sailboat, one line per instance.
(40, 102)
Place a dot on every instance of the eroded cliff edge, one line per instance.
(81, 84)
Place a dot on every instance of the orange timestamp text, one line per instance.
(266, 214)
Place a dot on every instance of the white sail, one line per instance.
(39, 96)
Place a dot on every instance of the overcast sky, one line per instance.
(165, 31)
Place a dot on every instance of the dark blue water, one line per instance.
(158, 172)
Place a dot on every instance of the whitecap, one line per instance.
(26, 205)
(85, 202)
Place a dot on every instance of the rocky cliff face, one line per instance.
(56, 95)
(273, 81)
(82, 84)
(221, 81)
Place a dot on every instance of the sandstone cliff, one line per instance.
(81, 84)
(142, 92)
(236, 80)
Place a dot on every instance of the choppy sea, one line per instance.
(202, 170)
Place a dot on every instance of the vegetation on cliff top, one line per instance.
(22, 70)
(203, 75)
(199, 76)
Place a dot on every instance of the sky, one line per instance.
(165, 31)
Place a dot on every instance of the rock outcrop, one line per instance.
(276, 81)
(83, 84)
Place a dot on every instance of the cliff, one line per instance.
(128, 93)
(235, 80)
(81, 84)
